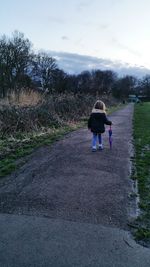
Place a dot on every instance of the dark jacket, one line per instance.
(97, 121)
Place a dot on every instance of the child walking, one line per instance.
(96, 124)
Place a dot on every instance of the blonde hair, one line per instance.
(99, 105)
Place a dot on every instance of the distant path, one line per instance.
(74, 189)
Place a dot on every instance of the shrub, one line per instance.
(53, 111)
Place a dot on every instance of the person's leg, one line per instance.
(94, 140)
(100, 141)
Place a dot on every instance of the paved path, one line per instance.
(69, 207)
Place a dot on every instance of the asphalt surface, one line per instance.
(68, 206)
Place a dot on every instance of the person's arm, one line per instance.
(106, 121)
(89, 123)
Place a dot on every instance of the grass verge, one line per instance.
(142, 164)
(15, 147)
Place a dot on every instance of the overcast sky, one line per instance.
(111, 30)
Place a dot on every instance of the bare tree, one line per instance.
(145, 85)
(84, 82)
(124, 86)
(15, 58)
(44, 69)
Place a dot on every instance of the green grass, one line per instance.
(115, 108)
(142, 163)
(7, 166)
(21, 145)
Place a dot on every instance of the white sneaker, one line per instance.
(100, 147)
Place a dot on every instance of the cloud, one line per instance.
(64, 37)
(56, 20)
(122, 46)
(114, 2)
(82, 5)
(103, 26)
(74, 64)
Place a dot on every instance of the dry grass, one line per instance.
(31, 111)
(23, 99)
